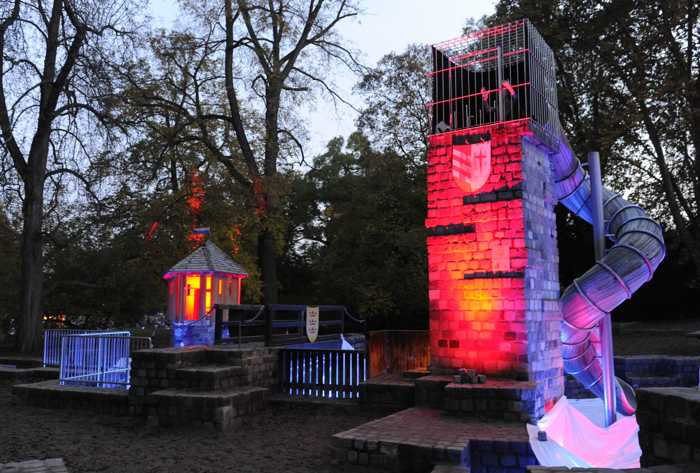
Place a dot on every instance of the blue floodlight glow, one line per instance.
(193, 332)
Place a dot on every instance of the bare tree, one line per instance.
(54, 89)
(272, 56)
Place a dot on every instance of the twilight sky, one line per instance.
(385, 26)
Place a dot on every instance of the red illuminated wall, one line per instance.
(492, 259)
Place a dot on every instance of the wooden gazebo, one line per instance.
(206, 277)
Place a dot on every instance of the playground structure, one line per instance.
(498, 163)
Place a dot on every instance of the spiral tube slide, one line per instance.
(638, 249)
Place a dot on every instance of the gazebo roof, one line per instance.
(208, 257)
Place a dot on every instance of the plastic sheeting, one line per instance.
(576, 437)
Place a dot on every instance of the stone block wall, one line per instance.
(262, 365)
(646, 371)
(658, 370)
(492, 261)
(512, 401)
(156, 369)
(476, 260)
(217, 409)
(542, 314)
(396, 457)
(51, 395)
(487, 456)
(669, 425)
(388, 392)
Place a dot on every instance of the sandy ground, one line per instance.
(285, 438)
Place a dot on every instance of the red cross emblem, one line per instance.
(471, 165)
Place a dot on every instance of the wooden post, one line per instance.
(202, 296)
(268, 324)
(215, 289)
(172, 298)
(182, 296)
(226, 297)
(217, 325)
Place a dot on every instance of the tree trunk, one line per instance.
(266, 243)
(30, 329)
(267, 256)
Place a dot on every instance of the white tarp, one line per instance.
(576, 437)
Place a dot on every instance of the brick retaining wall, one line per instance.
(669, 425)
(50, 394)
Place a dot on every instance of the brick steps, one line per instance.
(497, 399)
(220, 409)
(430, 390)
(26, 375)
(389, 391)
(210, 377)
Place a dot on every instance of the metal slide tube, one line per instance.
(638, 249)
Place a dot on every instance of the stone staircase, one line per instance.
(497, 399)
(201, 386)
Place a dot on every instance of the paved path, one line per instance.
(51, 465)
(431, 427)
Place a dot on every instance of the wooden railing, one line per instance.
(322, 373)
(279, 324)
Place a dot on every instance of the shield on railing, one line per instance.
(312, 318)
(471, 162)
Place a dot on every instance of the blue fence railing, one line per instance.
(322, 373)
(99, 360)
(52, 343)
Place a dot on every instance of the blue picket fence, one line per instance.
(52, 343)
(99, 360)
(322, 372)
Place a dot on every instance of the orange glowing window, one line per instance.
(207, 304)
(192, 296)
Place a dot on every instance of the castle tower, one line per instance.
(492, 247)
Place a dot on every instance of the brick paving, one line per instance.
(51, 465)
(417, 438)
(431, 427)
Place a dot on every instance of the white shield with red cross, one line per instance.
(471, 165)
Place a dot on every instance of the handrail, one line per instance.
(258, 314)
(350, 316)
(273, 316)
(324, 350)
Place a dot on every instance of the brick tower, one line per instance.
(492, 248)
